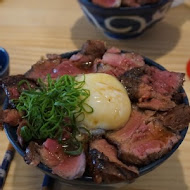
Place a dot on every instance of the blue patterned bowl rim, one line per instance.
(148, 6)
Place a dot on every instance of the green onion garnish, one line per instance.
(53, 108)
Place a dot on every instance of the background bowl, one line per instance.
(86, 181)
(125, 22)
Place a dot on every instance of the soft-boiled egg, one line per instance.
(109, 100)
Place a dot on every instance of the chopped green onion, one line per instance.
(52, 108)
(21, 83)
(75, 152)
(25, 133)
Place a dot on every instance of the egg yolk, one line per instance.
(109, 100)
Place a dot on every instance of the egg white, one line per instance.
(109, 100)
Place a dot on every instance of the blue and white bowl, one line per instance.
(125, 22)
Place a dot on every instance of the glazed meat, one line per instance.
(14, 85)
(43, 67)
(177, 118)
(13, 118)
(92, 58)
(152, 88)
(105, 166)
(116, 63)
(143, 139)
(51, 154)
(93, 48)
(10, 116)
(79, 63)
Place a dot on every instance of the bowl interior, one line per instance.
(86, 180)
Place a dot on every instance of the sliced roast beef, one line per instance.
(125, 61)
(14, 85)
(13, 118)
(113, 50)
(92, 58)
(118, 63)
(79, 63)
(103, 171)
(131, 81)
(105, 166)
(143, 139)
(66, 67)
(152, 88)
(71, 167)
(157, 102)
(10, 116)
(177, 118)
(165, 82)
(51, 154)
(59, 68)
(95, 48)
(43, 67)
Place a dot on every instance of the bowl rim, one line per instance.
(86, 180)
(88, 3)
(6, 56)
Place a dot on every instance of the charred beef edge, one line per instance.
(101, 163)
(145, 169)
(11, 132)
